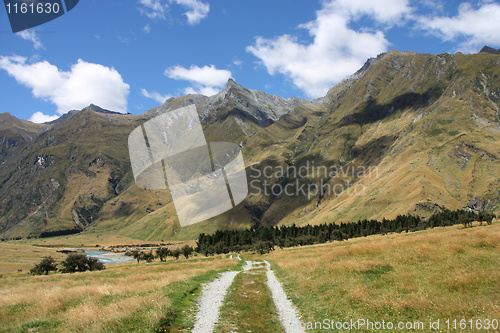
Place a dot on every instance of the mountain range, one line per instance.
(408, 133)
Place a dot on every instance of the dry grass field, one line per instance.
(122, 298)
(443, 273)
(14, 257)
(24, 254)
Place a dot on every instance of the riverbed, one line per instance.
(108, 257)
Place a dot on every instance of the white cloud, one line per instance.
(155, 95)
(237, 62)
(336, 50)
(479, 26)
(197, 10)
(154, 9)
(85, 83)
(207, 80)
(31, 36)
(38, 117)
(147, 29)
(382, 11)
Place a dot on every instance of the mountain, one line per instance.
(407, 133)
(16, 133)
(236, 110)
(489, 50)
(410, 133)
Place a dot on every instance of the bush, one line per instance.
(162, 253)
(263, 247)
(80, 263)
(44, 267)
(148, 256)
(186, 251)
(95, 264)
(137, 255)
(175, 253)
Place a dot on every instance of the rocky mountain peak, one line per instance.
(246, 104)
(98, 109)
(489, 50)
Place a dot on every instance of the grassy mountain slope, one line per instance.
(406, 134)
(69, 169)
(416, 129)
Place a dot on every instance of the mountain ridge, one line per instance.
(428, 124)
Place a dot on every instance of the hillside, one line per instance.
(408, 133)
(416, 129)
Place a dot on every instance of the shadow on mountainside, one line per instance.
(372, 111)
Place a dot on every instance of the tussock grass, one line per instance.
(445, 273)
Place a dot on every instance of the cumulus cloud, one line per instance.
(155, 96)
(478, 26)
(198, 10)
(206, 80)
(31, 36)
(154, 9)
(85, 83)
(39, 117)
(336, 50)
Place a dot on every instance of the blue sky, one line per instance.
(129, 55)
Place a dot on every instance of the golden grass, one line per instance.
(447, 273)
(19, 256)
(95, 301)
(24, 254)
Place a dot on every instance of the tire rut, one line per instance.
(213, 294)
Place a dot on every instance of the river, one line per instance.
(108, 257)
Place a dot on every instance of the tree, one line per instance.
(148, 256)
(162, 253)
(95, 264)
(45, 266)
(488, 217)
(465, 220)
(186, 251)
(75, 262)
(137, 255)
(175, 253)
(263, 247)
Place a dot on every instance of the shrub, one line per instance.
(263, 247)
(44, 267)
(162, 253)
(175, 253)
(137, 255)
(186, 251)
(148, 256)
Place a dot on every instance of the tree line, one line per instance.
(161, 253)
(265, 238)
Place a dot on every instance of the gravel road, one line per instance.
(286, 310)
(212, 298)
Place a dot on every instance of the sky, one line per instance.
(132, 55)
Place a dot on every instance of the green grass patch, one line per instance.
(248, 306)
(183, 294)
